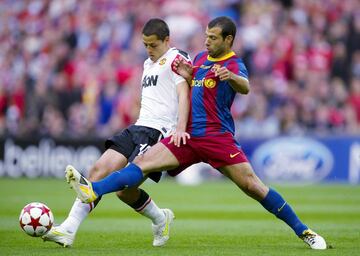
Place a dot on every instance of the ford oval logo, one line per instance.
(293, 160)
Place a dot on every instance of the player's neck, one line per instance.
(225, 53)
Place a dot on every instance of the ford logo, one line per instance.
(292, 159)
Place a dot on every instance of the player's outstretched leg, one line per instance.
(244, 177)
(80, 184)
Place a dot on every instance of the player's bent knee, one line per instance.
(250, 188)
(95, 173)
(253, 187)
(103, 168)
(139, 159)
(144, 163)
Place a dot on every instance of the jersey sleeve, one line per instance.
(237, 66)
(180, 55)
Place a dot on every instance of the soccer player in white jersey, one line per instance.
(164, 111)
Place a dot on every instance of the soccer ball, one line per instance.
(36, 219)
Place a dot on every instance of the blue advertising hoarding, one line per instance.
(305, 159)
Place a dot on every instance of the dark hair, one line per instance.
(227, 26)
(156, 27)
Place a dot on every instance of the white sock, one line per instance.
(79, 211)
(153, 212)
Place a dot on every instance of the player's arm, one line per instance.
(180, 133)
(237, 82)
(184, 69)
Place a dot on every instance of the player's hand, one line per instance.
(223, 73)
(183, 68)
(179, 136)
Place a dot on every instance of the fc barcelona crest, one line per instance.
(215, 67)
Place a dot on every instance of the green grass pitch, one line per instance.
(213, 218)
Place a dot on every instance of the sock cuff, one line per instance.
(94, 204)
(143, 200)
(135, 166)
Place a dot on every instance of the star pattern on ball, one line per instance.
(28, 208)
(34, 223)
(45, 210)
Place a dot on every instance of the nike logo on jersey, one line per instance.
(149, 81)
(205, 67)
(233, 155)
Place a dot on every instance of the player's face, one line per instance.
(215, 44)
(155, 47)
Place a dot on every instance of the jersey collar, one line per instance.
(162, 56)
(228, 55)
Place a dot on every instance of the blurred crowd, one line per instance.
(71, 68)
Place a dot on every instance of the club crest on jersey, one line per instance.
(162, 61)
(215, 67)
(208, 83)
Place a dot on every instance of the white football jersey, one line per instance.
(159, 101)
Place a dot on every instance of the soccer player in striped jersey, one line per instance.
(163, 112)
(217, 75)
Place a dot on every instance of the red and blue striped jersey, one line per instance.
(211, 99)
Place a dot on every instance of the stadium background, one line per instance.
(70, 76)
